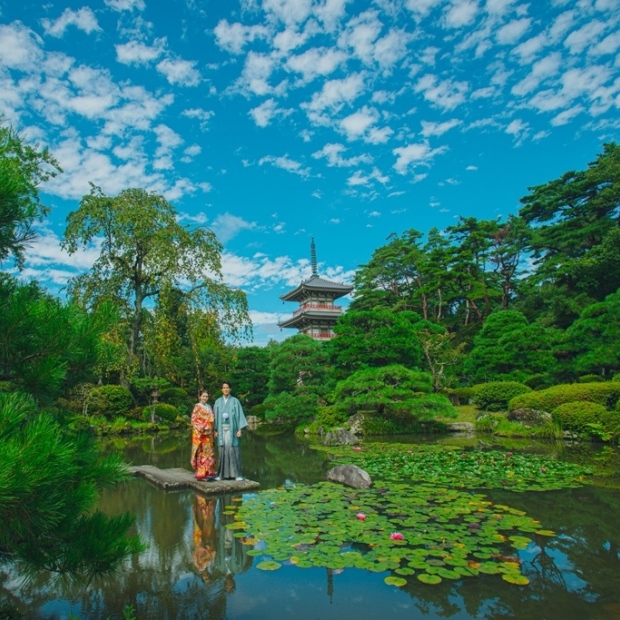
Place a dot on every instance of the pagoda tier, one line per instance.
(317, 314)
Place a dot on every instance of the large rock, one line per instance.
(340, 437)
(350, 475)
(530, 417)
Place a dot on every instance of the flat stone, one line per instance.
(177, 478)
(461, 427)
(351, 476)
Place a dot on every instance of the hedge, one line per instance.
(606, 394)
(110, 401)
(575, 416)
(494, 396)
(168, 413)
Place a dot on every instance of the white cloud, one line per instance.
(126, 5)
(583, 37)
(315, 62)
(178, 71)
(266, 112)
(565, 117)
(203, 116)
(461, 13)
(445, 94)
(333, 153)
(19, 47)
(226, 226)
(438, 129)
(83, 19)
(136, 53)
(511, 32)
(335, 94)
(234, 37)
(357, 124)
(414, 155)
(285, 163)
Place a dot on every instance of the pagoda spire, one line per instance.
(315, 272)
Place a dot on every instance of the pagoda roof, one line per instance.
(316, 283)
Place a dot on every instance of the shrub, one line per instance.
(258, 411)
(460, 395)
(332, 416)
(110, 401)
(539, 381)
(590, 379)
(606, 394)
(577, 415)
(495, 395)
(163, 411)
(178, 397)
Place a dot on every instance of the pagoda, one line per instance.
(316, 315)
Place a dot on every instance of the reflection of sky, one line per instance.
(561, 561)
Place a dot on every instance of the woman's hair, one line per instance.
(201, 392)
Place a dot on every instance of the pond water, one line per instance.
(194, 568)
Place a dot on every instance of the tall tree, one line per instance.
(374, 338)
(145, 252)
(574, 221)
(23, 168)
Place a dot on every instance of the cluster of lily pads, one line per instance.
(424, 532)
(472, 469)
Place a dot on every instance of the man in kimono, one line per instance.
(229, 424)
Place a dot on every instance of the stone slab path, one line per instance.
(178, 478)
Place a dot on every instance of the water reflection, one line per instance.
(195, 567)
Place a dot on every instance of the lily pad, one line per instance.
(429, 579)
(268, 565)
(399, 582)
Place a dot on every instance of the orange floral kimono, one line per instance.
(203, 455)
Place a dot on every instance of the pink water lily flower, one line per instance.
(358, 448)
(361, 516)
(396, 536)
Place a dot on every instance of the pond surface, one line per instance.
(195, 568)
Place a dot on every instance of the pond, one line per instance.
(194, 566)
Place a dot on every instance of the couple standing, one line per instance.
(223, 424)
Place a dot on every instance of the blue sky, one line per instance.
(274, 121)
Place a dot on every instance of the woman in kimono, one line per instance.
(203, 455)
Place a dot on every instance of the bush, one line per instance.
(332, 416)
(460, 395)
(258, 411)
(590, 379)
(178, 397)
(495, 395)
(168, 413)
(539, 381)
(606, 394)
(110, 401)
(576, 416)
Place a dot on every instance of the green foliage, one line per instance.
(295, 362)
(392, 390)
(45, 345)
(163, 411)
(49, 484)
(375, 338)
(593, 338)
(508, 347)
(147, 255)
(576, 416)
(495, 395)
(178, 397)
(576, 242)
(250, 375)
(110, 401)
(590, 379)
(258, 411)
(23, 169)
(460, 395)
(606, 394)
(331, 416)
(291, 407)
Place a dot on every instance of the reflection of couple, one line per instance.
(217, 553)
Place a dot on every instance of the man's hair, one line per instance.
(228, 383)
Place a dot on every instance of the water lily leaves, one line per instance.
(430, 580)
(395, 581)
(268, 565)
(516, 578)
(471, 469)
(545, 532)
(446, 533)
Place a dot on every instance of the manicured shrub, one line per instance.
(332, 416)
(495, 395)
(110, 401)
(606, 394)
(590, 379)
(168, 413)
(576, 416)
(460, 395)
(539, 381)
(178, 397)
(258, 411)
